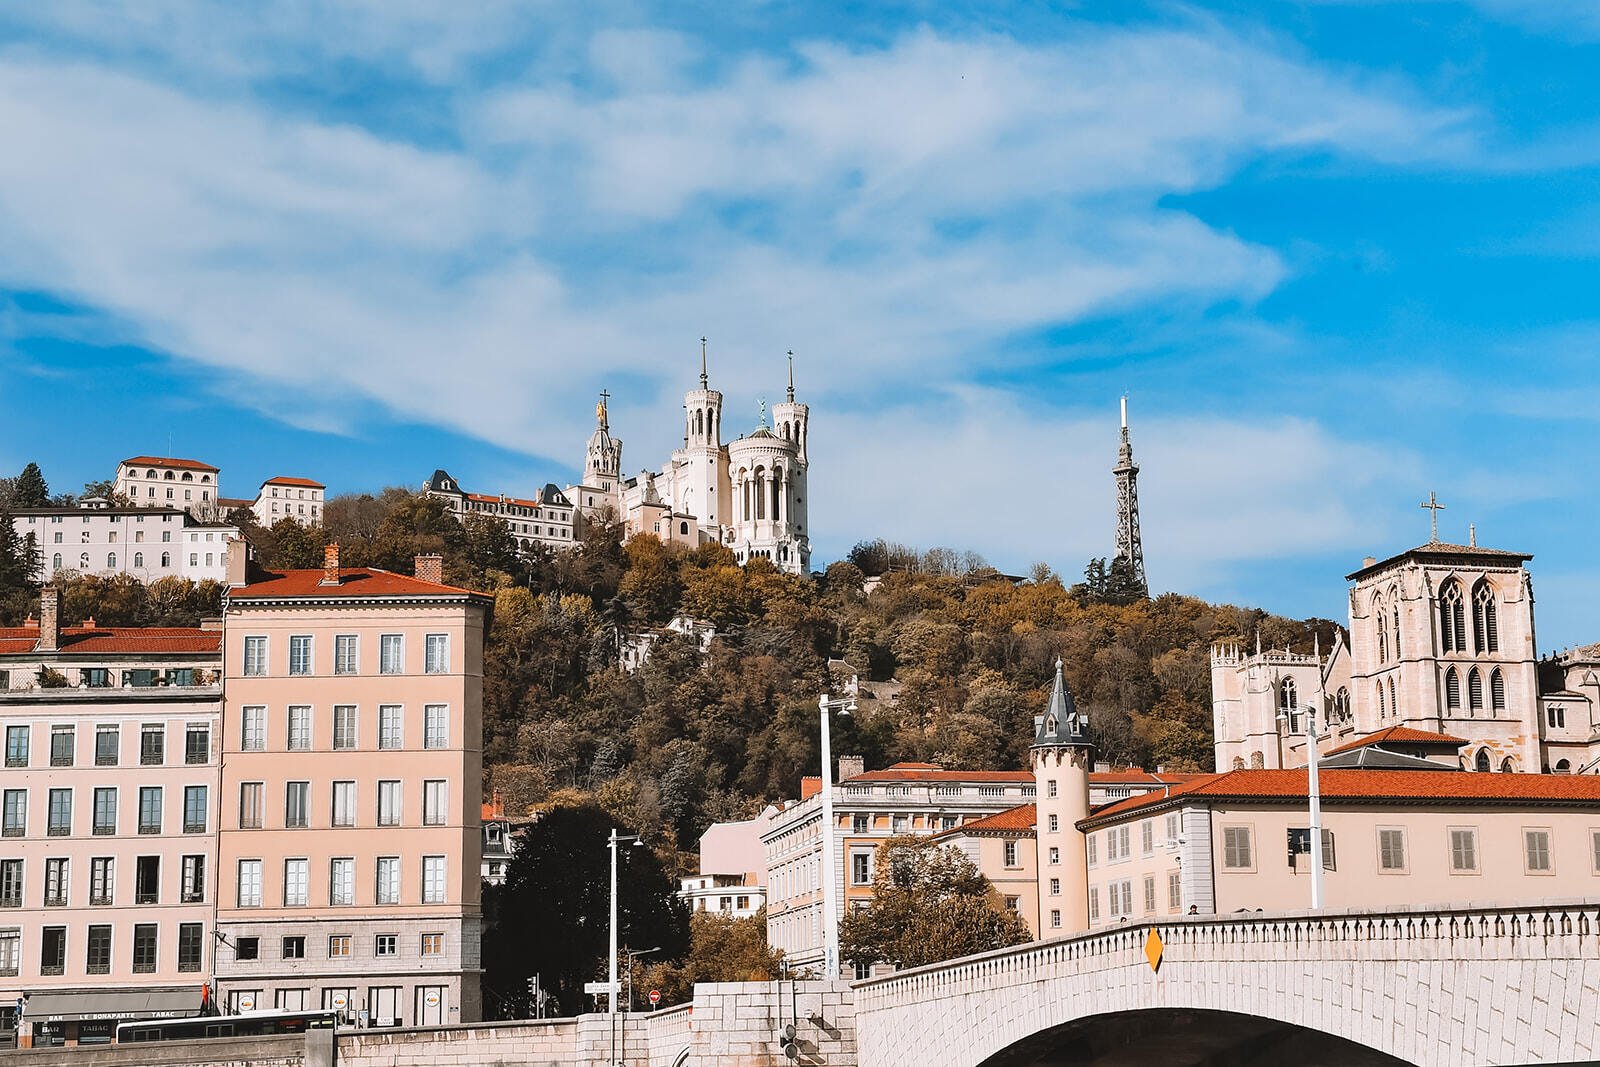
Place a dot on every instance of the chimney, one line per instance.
(851, 766)
(238, 558)
(1367, 561)
(49, 619)
(430, 568)
(330, 564)
(88, 624)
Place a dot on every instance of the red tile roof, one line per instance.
(353, 582)
(488, 498)
(1400, 735)
(117, 640)
(1440, 548)
(305, 482)
(1139, 778)
(228, 503)
(1013, 820)
(1376, 786)
(168, 461)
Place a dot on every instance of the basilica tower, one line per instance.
(1062, 757)
(700, 485)
(602, 465)
(1130, 548)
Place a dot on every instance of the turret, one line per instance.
(703, 411)
(1062, 756)
(602, 465)
(791, 421)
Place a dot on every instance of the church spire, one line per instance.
(791, 376)
(703, 379)
(601, 419)
(1130, 547)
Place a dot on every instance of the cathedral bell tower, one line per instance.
(706, 470)
(1062, 757)
(602, 466)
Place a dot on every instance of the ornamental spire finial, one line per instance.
(703, 363)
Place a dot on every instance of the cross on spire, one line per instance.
(791, 376)
(600, 410)
(1434, 507)
(702, 362)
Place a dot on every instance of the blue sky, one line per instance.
(1339, 254)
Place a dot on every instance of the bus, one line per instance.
(251, 1024)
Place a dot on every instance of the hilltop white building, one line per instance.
(148, 543)
(167, 482)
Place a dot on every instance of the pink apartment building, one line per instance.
(108, 842)
(350, 845)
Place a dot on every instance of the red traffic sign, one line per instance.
(655, 997)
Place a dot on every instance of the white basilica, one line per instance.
(748, 493)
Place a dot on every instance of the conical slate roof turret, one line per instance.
(1061, 724)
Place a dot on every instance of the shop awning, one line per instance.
(49, 1007)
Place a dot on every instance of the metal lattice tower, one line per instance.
(1129, 546)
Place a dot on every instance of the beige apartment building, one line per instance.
(165, 481)
(350, 847)
(108, 844)
(1002, 846)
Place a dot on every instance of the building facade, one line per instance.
(548, 519)
(147, 543)
(167, 482)
(300, 499)
(350, 841)
(108, 845)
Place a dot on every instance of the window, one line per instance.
(296, 804)
(434, 802)
(342, 881)
(1054, 855)
(10, 950)
(10, 883)
(191, 946)
(900, 824)
(391, 654)
(1556, 716)
(53, 950)
(147, 879)
(194, 880)
(107, 740)
(1055, 887)
(1050, 788)
(344, 803)
(197, 744)
(102, 879)
(250, 805)
(1463, 850)
(294, 948)
(1452, 690)
(138, 557)
(55, 882)
(16, 746)
(296, 878)
(254, 728)
(436, 726)
(98, 960)
(300, 654)
(1452, 618)
(1497, 690)
(388, 887)
(1010, 850)
(386, 945)
(1174, 890)
(858, 824)
(249, 888)
(437, 660)
(1236, 851)
(344, 654)
(344, 726)
(433, 879)
(389, 803)
(433, 944)
(1391, 850)
(1287, 696)
(60, 823)
(150, 809)
(1536, 849)
(16, 813)
(1055, 823)
(299, 727)
(1091, 849)
(1485, 627)
(1149, 894)
(62, 740)
(1474, 690)
(255, 656)
(860, 868)
(144, 948)
(194, 809)
(1147, 837)
(338, 946)
(246, 948)
(390, 733)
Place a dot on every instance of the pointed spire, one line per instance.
(602, 420)
(791, 376)
(703, 379)
(1061, 723)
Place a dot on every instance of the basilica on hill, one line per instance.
(1441, 655)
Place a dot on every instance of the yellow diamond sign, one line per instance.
(1152, 949)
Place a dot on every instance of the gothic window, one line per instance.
(761, 496)
(1482, 762)
(1497, 690)
(1257, 761)
(1238, 763)
(1341, 705)
(1396, 610)
(1286, 696)
(1394, 705)
(1452, 618)
(1382, 712)
(1507, 767)
(1452, 690)
(1475, 691)
(1383, 635)
(1485, 627)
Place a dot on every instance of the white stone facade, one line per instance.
(168, 482)
(147, 543)
(300, 499)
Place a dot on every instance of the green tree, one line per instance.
(295, 546)
(930, 903)
(30, 491)
(721, 949)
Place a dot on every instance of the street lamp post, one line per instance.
(830, 914)
(1314, 792)
(612, 985)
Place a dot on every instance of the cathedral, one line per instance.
(748, 493)
(1441, 647)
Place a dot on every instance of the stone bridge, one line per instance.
(1470, 985)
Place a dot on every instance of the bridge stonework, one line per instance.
(1487, 985)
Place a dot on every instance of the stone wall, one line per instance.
(294, 1050)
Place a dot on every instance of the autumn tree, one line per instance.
(930, 903)
(721, 949)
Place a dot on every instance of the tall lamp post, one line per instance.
(1314, 792)
(830, 914)
(612, 986)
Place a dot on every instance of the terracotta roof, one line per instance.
(168, 461)
(353, 582)
(1139, 778)
(228, 503)
(488, 498)
(1012, 820)
(305, 482)
(116, 640)
(1440, 548)
(1400, 735)
(1379, 786)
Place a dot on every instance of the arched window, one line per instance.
(138, 559)
(1238, 763)
(83, 561)
(169, 476)
(111, 560)
(55, 562)
(1497, 690)
(1563, 767)
(1286, 696)
(1482, 762)
(1394, 705)
(1383, 634)
(1507, 767)
(1341, 705)
(1485, 627)
(1257, 761)
(166, 559)
(683, 528)
(1452, 690)
(1452, 618)
(1475, 690)
(1382, 713)
(1396, 617)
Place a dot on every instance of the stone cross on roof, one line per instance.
(1435, 507)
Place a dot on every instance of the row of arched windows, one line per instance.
(1453, 620)
(56, 562)
(1452, 690)
(1387, 614)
